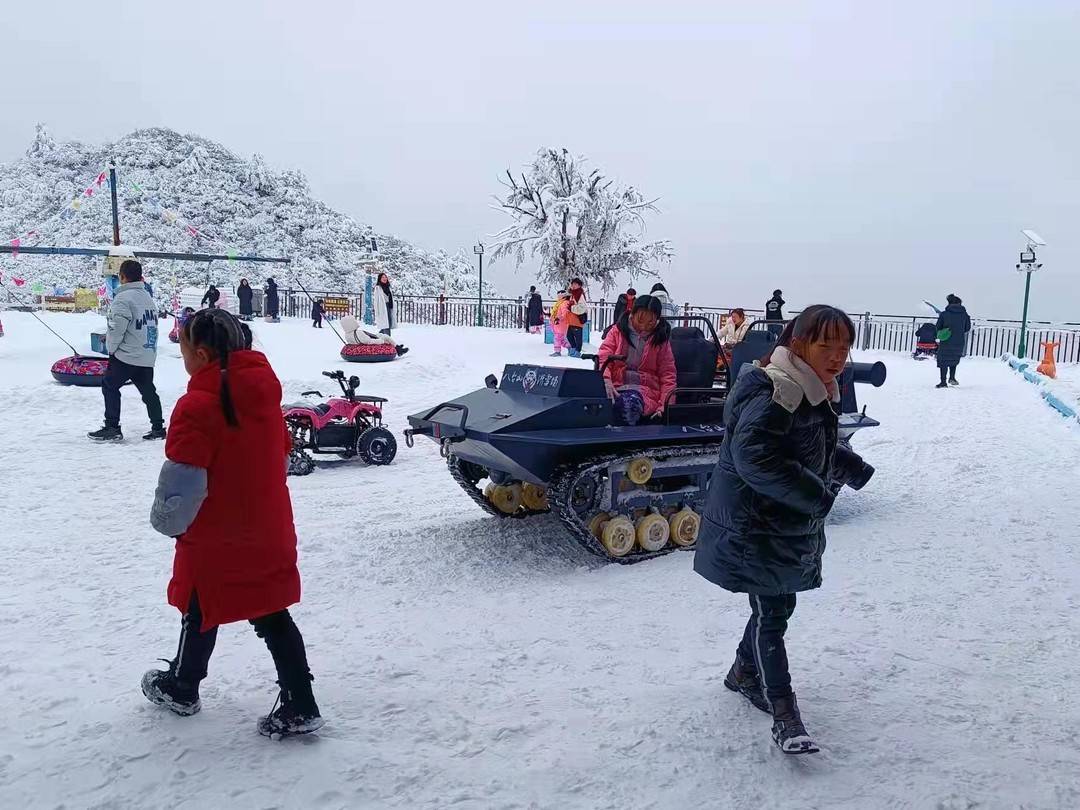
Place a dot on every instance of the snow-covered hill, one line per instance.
(168, 181)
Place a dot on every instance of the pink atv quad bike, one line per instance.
(346, 427)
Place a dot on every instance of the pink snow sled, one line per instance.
(368, 352)
(79, 370)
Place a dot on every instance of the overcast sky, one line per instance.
(868, 154)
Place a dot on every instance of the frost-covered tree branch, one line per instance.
(576, 223)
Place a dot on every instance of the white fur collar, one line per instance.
(793, 379)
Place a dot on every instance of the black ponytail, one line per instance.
(221, 332)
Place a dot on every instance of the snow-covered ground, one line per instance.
(463, 661)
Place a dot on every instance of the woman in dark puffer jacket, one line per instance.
(763, 528)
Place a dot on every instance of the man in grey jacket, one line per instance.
(132, 345)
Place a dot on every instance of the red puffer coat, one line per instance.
(239, 554)
(657, 368)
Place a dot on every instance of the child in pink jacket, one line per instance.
(643, 381)
(559, 322)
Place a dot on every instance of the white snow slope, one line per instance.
(467, 662)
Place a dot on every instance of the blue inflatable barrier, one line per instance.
(549, 336)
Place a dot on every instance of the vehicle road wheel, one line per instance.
(684, 526)
(597, 524)
(618, 536)
(507, 499)
(652, 532)
(640, 470)
(534, 497)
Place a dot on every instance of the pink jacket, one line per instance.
(657, 369)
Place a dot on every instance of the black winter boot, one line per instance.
(106, 434)
(788, 731)
(155, 433)
(743, 678)
(297, 714)
(162, 687)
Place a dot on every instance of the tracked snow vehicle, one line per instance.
(543, 439)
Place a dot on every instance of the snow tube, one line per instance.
(79, 370)
(368, 352)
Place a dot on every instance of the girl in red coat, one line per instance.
(227, 445)
(643, 380)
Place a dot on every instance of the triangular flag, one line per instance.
(15, 243)
(76, 204)
(89, 192)
(170, 216)
(230, 255)
(101, 178)
(192, 230)
(19, 281)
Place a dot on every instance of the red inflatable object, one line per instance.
(78, 370)
(368, 352)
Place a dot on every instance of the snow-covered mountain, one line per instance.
(187, 194)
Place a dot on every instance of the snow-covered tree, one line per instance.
(577, 223)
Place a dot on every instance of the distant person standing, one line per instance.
(317, 312)
(131, 342)
(270, 304)
(212, 296)
(534, 320)
(385, 318)
(953, 326)
(667, 307)
(577, 315)
(244, 294)
(774, 307)
(624, 303)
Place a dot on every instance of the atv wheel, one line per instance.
(618, 536)
(377, 446)
(684, 526)
(300, 463)
(652, 532)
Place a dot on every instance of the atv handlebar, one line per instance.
(309, 393)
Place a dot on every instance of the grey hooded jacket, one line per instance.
(133, 326)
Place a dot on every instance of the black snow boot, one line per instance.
(743, 678)
(402, 350)
(106, 434)
(942, 385)
(155, 433)
(296, 714)
(952, 381)
(788, 731)
(163, 688)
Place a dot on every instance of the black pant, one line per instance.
(574, 336)
(278, 630)
(316, 321)
(763, 642)
(119, 373)
(949, 371)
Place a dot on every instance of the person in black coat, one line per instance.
(210, 299)
(244, 294)
(271, 303)
(535, 313)
(951, 344)
(317, 312)
(774, 307)
(762, 530)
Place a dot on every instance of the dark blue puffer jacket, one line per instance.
(762, 530)
(955, 318)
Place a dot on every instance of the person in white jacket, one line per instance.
(385, 318)
(356, 333)
(735, 329)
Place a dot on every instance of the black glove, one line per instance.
(849, 468)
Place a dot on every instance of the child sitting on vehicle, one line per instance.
(356, 333)
(643, 379)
